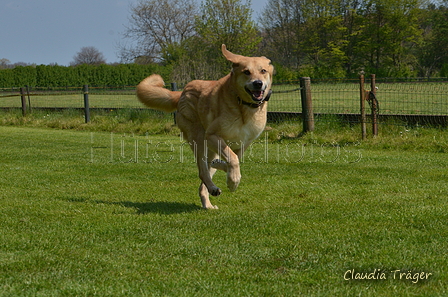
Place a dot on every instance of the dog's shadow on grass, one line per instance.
(160, 207)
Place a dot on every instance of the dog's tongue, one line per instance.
(257, 94)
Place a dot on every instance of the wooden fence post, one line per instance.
(307, 104)
(29, 99)
(374, 105)
(86, 103)
(23, 98)
(362, 103)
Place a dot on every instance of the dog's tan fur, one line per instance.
(219, 119)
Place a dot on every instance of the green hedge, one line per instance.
(62, 76)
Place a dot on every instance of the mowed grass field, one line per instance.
(337, 97)
(90, 213)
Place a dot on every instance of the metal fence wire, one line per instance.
(398, 102)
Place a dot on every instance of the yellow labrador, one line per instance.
(219, 119)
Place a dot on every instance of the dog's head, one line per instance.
(253, 76)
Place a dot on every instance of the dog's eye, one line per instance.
(263, 71)
(247, 72)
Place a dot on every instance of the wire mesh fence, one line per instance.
(404, 103)
(414, 98)
(419, 101)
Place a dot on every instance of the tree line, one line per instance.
(317, 38)
(391, 38)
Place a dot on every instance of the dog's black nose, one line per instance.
(258, 84)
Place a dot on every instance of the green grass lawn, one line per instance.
(90, 213)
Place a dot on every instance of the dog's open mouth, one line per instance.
(256, 95)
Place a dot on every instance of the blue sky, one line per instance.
(53, 31)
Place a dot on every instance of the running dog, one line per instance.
(219, 119)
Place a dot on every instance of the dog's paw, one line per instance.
(219, 164)
(208, 207)
(218, 161)
(215, 191)
(233, 180)
(232, 185)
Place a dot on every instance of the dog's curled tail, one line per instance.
(152, 93)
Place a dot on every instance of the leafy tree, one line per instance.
(282, 27)
(220, 22)
(229, 22)
(311, 35)
(433, 52)
(391, 30)
(324, 38)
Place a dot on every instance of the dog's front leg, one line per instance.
(206, 173)
(232, 166)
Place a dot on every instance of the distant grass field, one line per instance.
(92, 213)
(337, 97)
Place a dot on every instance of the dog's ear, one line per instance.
(235, 59)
